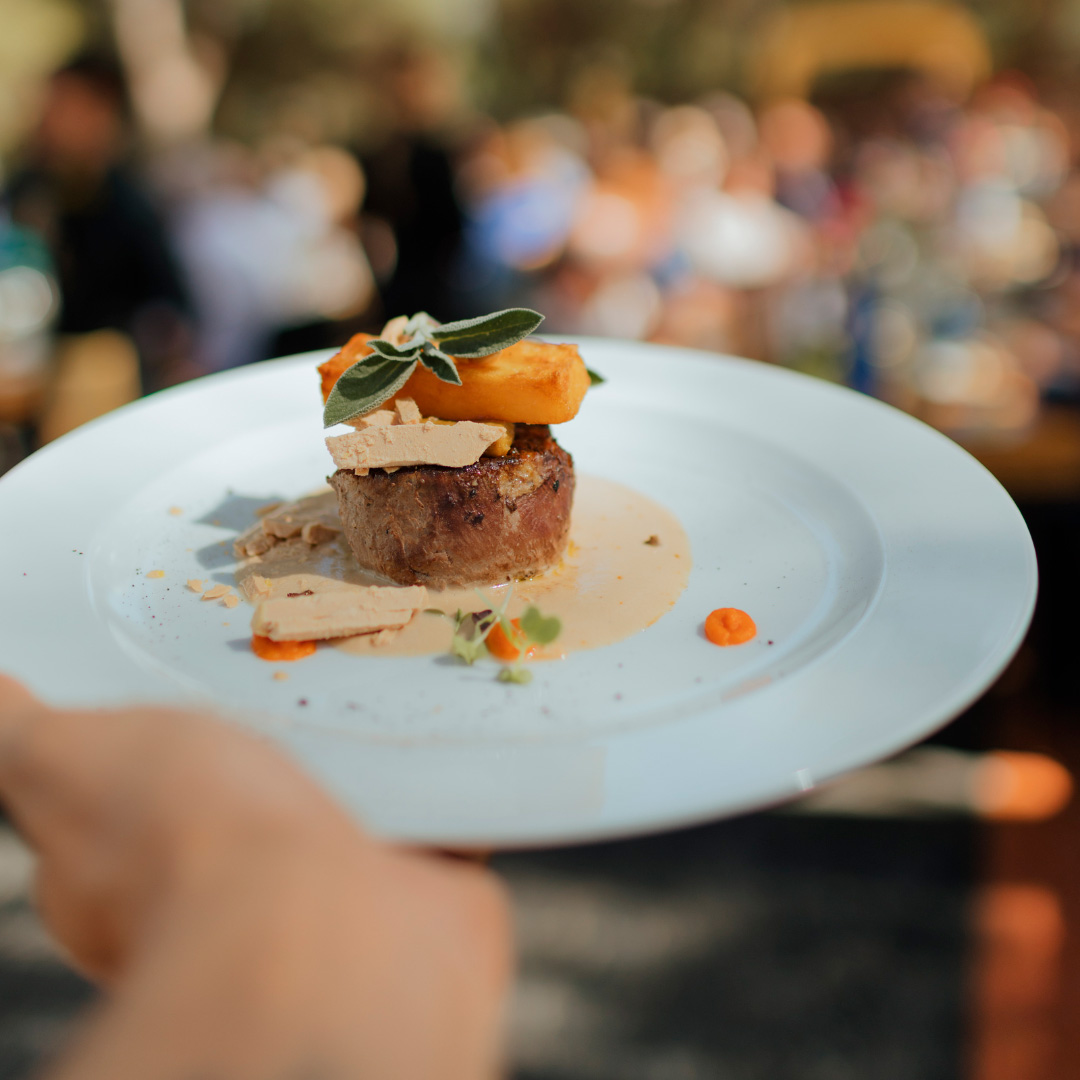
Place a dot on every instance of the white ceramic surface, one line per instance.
(890, 576)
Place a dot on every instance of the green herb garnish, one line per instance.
(472, 628)
(470, 631)
(538, 629)
(378, 376)
(515, 674)
(534, 629)
(595, 378)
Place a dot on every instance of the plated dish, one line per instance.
(450, 512)
(890, 576)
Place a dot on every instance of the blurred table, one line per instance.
(1040, 465)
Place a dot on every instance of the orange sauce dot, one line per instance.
(277, 651)
(501, 647)
(729, 626)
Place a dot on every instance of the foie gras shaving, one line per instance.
(338, 613)
(314, 520)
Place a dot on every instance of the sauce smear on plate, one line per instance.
(613, 581)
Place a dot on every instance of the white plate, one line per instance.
(890, 575)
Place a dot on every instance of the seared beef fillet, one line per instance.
(498, 520)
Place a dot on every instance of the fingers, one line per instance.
(75, 922)
(15, 698)
(474, 908)
(19, 710)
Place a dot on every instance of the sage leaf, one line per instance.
(365, 386)
(438, 363)
(420, 324)
(486, 334)
(387, 349)
(539, 629)
(595, 378)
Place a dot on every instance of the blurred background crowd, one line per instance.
(884, 193)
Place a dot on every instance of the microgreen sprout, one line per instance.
(533, 629)
(472, 628)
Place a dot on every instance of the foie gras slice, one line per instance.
(400, 445)
(337, 613)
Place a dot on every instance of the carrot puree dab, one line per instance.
(504, 648)
(280, 651)
(729, 626)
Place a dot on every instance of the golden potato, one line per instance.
(531, 382)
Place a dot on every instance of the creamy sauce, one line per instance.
(611, 583)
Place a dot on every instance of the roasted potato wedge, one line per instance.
(531, 382)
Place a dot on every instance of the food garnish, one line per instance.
(729, 626)
(470, 632)
(539, 629)
(510, 640)
(417, 507)
(515, 674)
(280, 651)
(531, 627)
(509, 647)
(380, 374)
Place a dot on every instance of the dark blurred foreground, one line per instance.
(797, 949)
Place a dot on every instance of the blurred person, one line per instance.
(115, 265)
(522, 188)
(624, 220)
(601, 98)
(240, 923)
(797, 137)
(741, 238)
(699, 314)
(689, 148)
(411, 182)
(28, 307)
(272, 249)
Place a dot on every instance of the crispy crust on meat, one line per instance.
(498, 520)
